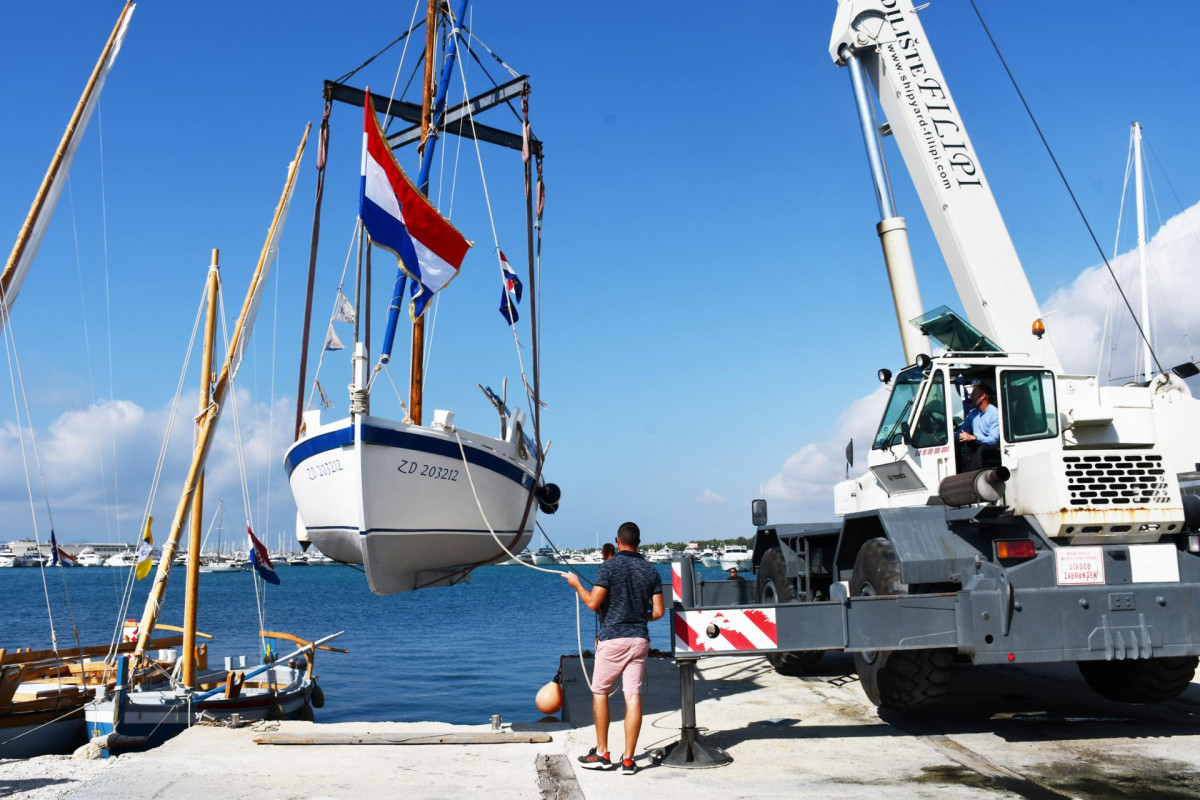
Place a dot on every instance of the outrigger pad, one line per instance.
(691, 753)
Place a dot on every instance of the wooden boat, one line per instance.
(282, 687)
(38, 717)
(417, 504)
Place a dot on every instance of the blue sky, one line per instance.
(713, 299)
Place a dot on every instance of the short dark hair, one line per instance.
(629, 534)
(987, 389)
(608, 550)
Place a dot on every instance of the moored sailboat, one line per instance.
(418, 505)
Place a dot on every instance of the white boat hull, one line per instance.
(398, 499)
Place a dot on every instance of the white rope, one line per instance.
(495, 235)
(336, 303)
(534, 567)
(241, 462)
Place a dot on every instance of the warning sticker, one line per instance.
(1077, 566)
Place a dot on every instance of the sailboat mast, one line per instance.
(192, 590)
(212, 412)
(417, 369)
(47, 196)
(1139, 190)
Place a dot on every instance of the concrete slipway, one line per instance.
(1032, 732)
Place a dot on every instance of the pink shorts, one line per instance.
(625, 657)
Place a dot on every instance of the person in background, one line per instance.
(608, 551)
(733, 574)
(628, 592)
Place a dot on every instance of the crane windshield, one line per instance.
(904, 392)
(953, 332)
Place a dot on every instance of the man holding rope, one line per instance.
(627, 594)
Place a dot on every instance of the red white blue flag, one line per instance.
(401, 220)
(261, 559)
(510, 294)
(58, 556)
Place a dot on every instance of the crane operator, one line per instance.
(979, 434)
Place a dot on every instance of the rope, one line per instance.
(336, 303)
(1046, 144)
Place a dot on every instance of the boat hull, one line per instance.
(398, 499)
(41, 733)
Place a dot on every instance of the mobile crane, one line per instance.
(1069, 540)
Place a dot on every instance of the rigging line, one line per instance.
(336, 302)
(495, 236)
(87, 348)
(347, 76)
(1066, 184)
(108, 316)
(14, 372)
(1165, 267)
(1109, 301)
(491, 53)
(513, 72)
(162, 457)
(412, 26)
(241, 462)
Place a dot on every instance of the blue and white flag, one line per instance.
(510, 292)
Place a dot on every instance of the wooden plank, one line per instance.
(74, 654)
(556, 778)
(481, 737)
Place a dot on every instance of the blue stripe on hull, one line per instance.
(387, 437)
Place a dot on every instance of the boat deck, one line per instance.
(1034, 732)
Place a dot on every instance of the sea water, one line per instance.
(455, 654)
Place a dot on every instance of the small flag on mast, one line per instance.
(261, 559)
(510, 293)
(325, 401)
(332, 342)
(145, 551)
(345, 311)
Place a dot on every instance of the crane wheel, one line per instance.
(1151, 681)
(774, 587)
(895, 679)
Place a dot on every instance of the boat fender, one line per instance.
(318, 696)
(548, 495)
(549, 698)
(275, 711)
(306, 713)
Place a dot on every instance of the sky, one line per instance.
(714, 304)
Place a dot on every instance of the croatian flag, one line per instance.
(401, 220)
(58, 556)
(510, 294)
(261, 559)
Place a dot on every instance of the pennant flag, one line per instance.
(145, 551)
(332, 342)
(261, 559)
(325, 401)
(401, 220)
(345, 311)
(510, 294)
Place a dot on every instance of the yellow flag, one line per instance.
(145, 551)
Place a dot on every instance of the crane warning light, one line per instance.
(1039, 328)
(1018, 549)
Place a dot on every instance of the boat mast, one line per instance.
(433, 107)
(30, 237)
(1139, 190)
(192, 590)
(212, 411)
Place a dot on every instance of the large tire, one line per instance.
(773, 586)
(895, 679)
(1150, 681)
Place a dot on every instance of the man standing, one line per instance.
(628, 594)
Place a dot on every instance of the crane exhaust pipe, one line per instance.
(969, 488)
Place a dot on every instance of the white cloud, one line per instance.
(804, 484)
(710, 498)
(98, 463)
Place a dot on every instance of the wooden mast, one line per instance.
(192, 591)
(417, 378)
(78, 121)
(212, 412)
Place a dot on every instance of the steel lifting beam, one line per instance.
(457, 119)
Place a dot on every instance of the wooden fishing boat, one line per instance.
(418, 505)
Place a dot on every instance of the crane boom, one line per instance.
(886, 37)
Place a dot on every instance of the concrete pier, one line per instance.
(1032, 732)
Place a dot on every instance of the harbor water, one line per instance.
(454, 654)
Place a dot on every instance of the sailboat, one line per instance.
(145, 708)
(418, 504)
(40, 701)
